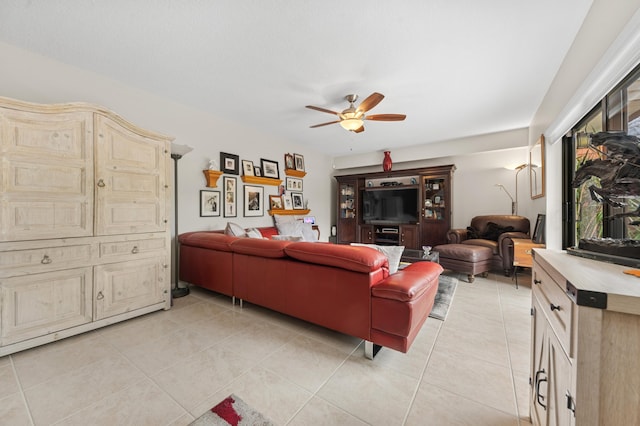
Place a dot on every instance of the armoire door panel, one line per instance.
(40, 304)
(130, 181)
(125, 286)
(46, 185)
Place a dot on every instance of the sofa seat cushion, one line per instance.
(209, 240)
(409, 283)
(262, 248)
(359, 259)
(493, 245)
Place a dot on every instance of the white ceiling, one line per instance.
(456, 68)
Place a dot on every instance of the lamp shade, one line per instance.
(180, 150)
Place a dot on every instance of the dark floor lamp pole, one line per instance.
(177, 151)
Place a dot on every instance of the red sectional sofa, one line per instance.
(344, 288)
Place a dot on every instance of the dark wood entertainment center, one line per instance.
(433, 202)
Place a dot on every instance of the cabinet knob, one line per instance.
(100, 296)
(101, 183)
(46, 260)
(554, 307)
(135, 250)
(536, 281)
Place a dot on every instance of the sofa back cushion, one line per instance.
(518, 223)
(207, 239)
(262, 248)
(359, 259)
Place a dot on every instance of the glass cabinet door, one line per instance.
(434, 199)
(347, 201)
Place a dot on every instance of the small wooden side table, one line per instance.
(522, 255)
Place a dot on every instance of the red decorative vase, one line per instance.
(386, 163)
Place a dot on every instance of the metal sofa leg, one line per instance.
(471, 278)
(371, 349)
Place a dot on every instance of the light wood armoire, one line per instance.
(84, 221)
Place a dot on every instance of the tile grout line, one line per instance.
(422, 373)
(511, 373)
(315, 394)
(19, 382)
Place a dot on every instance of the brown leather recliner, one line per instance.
(495, 232)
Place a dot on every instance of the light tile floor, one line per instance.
(169, 367)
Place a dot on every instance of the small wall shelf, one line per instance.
(289, 212)
(261, 180)
(212, 177)
(294, 172)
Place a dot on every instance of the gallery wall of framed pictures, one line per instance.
(257, 181)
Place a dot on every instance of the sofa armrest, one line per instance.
(409, 283)
(456, 236)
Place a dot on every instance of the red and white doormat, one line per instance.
(232, 411)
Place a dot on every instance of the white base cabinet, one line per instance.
(84, 221)
(585, 367)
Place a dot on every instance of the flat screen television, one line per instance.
(390, 206)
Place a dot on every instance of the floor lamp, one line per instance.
(177, 151)
(514, 202)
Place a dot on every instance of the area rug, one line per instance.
(446, 289)
(232, 411)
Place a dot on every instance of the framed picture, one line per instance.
(229, 163)
(275, 202)
(230, 202)
(257, 171)
(299, 162)
(287, 202)
(270, 169)
(298, 201)
(288, 162)
(538, 231)
(294, 184)
(247, 168)
(209, 203)
(253, 201)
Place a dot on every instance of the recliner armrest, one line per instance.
(456, 236)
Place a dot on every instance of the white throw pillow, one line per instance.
(235, 230)
(254, 233)
(283, 218)
(308, 233)
(393, 254)
(287, 238)
(290, 228)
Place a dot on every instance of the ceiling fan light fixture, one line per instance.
(351, 124)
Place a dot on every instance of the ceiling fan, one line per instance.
(352, 118)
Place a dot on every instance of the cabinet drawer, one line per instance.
(140, 248)
(41, 259)
(556, 305)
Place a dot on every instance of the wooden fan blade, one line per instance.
(328, 111)
(359, 129)
(324, 124)
(373, 100)
(386, 117)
